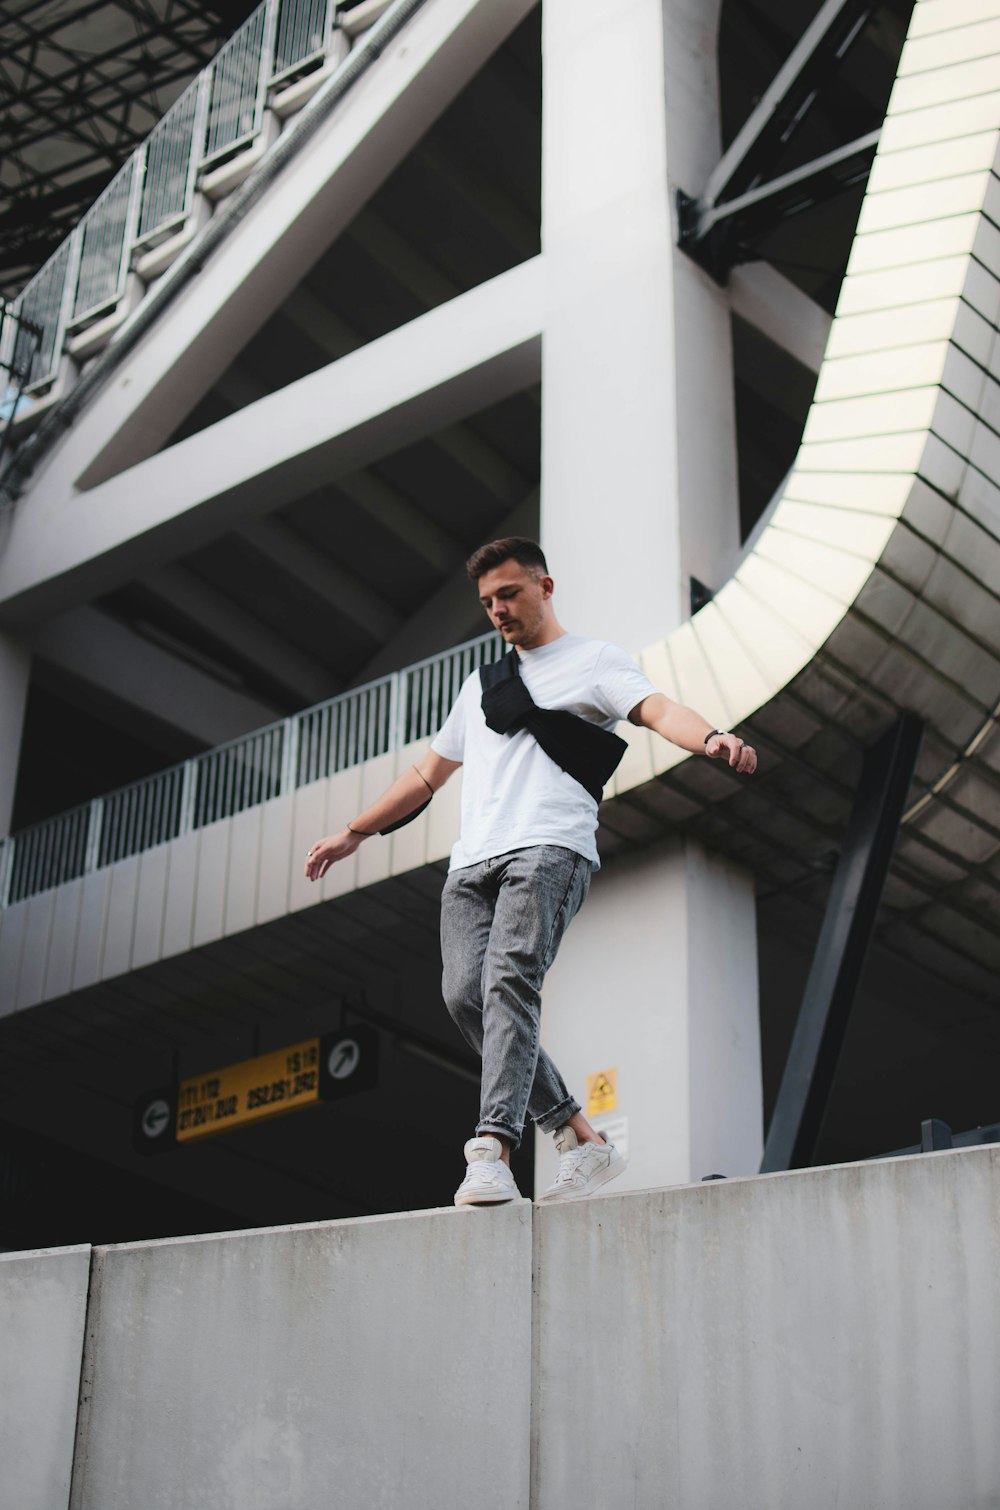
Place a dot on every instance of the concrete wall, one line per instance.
(380, 1363)
(799, 1342)
(809, 1340)
(43, 1307)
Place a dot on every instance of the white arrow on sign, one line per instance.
(344, 1058)
(155, 1118)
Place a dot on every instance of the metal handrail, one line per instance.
(230, 778)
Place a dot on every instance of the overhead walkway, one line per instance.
(871, 587)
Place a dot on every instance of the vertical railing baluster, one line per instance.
(188, 792)
(7, 848)
(289, 778)
(95, 822)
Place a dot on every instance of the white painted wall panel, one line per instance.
(276, 828)
(178, 909)
(12, 928)
(65, 923)
(211, 876)
(242, 875)
(120, 929)
(150, 903)
(90, 933)
(35, 949)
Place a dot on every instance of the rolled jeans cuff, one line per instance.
(499, 1130)
(559, 1115)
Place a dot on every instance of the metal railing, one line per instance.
(345, 731)
(220, 114)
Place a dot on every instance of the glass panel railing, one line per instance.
(237, 91)
(172, 164)
(219, 114)
(302, 36)
(43, 305)
(106, 235)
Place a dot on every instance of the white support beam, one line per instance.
(215, 615)
(111, 658)
(777, 308)
(321, 576)
(335, 336)
(429, 374)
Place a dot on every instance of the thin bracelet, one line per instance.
(424, 780)
(361, 832)
(712, 733)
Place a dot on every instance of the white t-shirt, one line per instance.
(513, 794)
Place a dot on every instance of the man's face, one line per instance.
(516, 601)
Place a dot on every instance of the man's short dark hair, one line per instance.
(517, 548)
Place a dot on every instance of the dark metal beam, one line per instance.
(704, 231)
(709, 224)
(841, 949)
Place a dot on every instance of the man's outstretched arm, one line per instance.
(405, 795)
(686, 728)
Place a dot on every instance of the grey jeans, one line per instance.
(501, 924)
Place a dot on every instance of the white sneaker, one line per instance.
(488, 1179)
(583, 1167)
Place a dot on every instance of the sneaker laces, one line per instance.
(569, 1163)
(482, 1172)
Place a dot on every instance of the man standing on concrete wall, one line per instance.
(534, 734)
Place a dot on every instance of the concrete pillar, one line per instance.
(15, 665)
(638, 450)
(655, 986)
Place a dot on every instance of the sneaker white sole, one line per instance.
(597, 1179)
(486, 1198)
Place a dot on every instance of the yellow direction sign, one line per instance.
(325, 1068)
(602, 1092)
(248, 1091)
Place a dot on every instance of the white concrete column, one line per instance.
(638, 450)
(15, 665)
(656, 981)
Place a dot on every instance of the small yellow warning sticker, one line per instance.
(602, 1092)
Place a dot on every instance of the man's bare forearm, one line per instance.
(687, 729)
(683, 726)
(398, 801)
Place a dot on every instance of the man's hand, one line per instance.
(684, 727)
(326, 852)
(741, 757)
